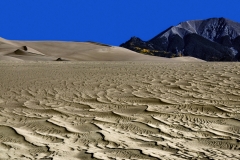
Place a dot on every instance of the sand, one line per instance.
(119, 110)
(74, 51)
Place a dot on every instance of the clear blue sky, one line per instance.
(107, 21)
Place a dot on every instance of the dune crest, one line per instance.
(71, 51)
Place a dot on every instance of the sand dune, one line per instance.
(119, 110)
(73, 51)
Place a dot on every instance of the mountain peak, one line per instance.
(134, 38)
(220, 33)
(211, 28)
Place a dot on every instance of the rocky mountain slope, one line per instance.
(214, 39)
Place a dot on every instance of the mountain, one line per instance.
(214, 39)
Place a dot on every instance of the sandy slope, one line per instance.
(119, 110)
(73, 51)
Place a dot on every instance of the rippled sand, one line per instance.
(119, 110)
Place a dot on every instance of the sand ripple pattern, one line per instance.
(119, 110)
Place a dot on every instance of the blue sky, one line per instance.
(107, 21)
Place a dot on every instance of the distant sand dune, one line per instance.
(74, 51)
(118, 110)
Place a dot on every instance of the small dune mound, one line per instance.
(31, 50)
(29, 54)
(24, 50)
(60, 59)
(20, 52)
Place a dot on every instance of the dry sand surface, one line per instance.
(73, 51)
(119, 110)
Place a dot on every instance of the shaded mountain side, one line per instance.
(215, 39)
(236, 45)
(199, 47)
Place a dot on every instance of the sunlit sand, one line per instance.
(119, 110)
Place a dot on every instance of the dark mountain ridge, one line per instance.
(214, 39)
